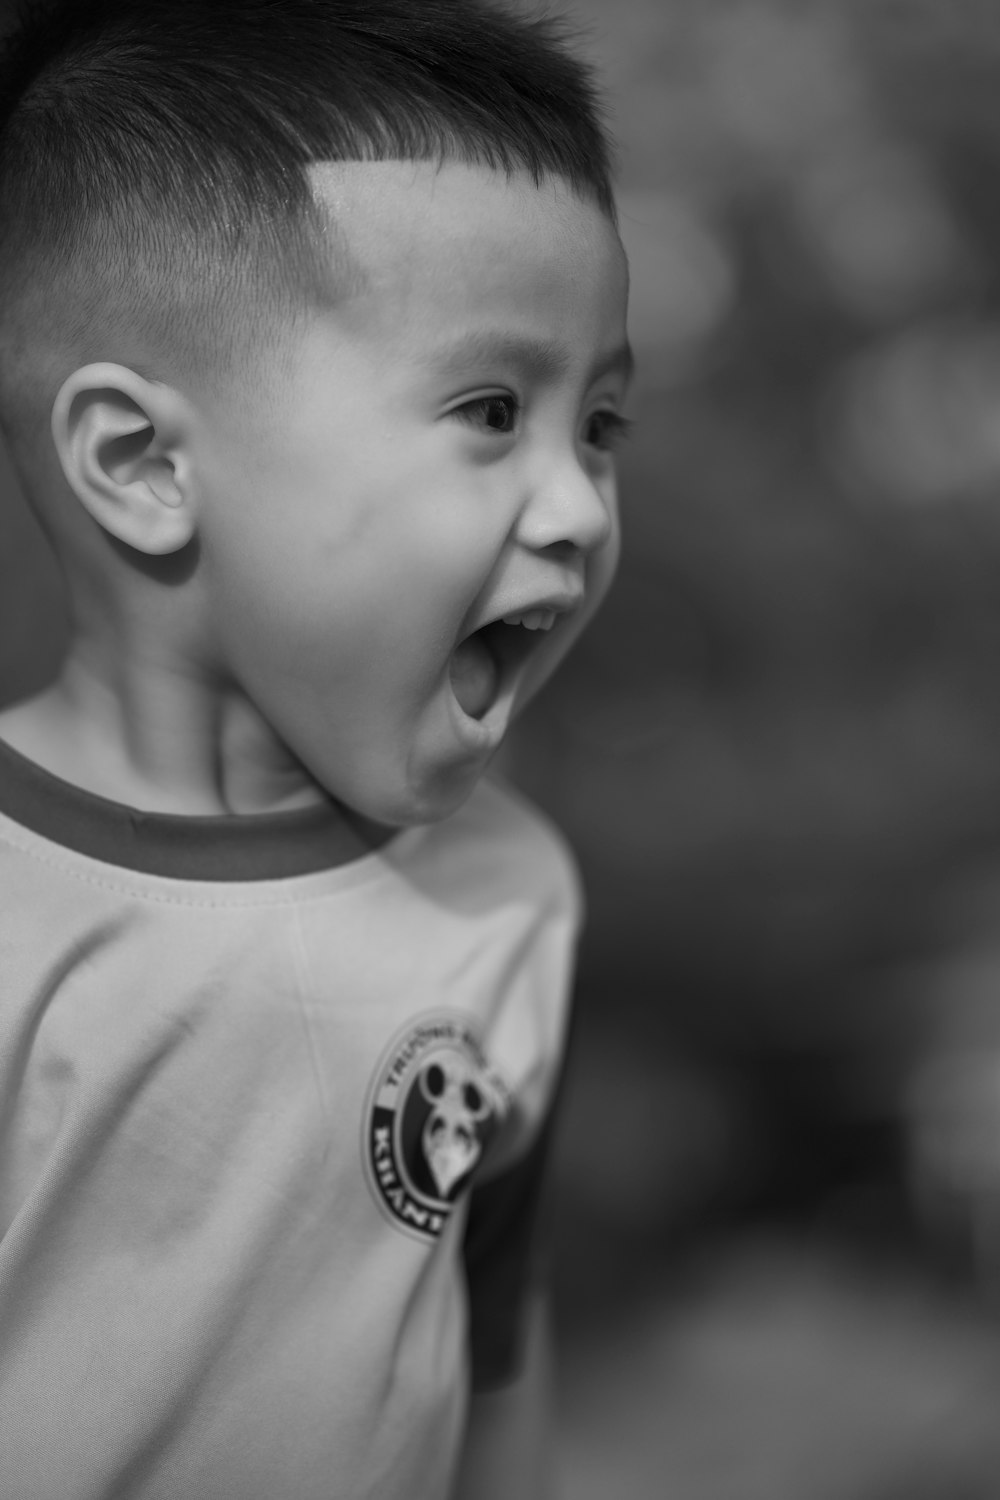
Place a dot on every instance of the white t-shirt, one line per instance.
(243, 1116)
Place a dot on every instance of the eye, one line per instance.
(497, 414)
(606, 430)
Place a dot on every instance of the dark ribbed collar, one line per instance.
(262, 846)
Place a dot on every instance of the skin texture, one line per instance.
(302, 560)
(269, 585)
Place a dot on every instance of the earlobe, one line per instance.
(121, 450)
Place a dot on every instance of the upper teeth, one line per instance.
(533, 619)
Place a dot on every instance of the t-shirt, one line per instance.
(270, 1141)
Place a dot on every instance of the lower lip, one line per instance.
(483, 733)
(475, 676)
(481, 736)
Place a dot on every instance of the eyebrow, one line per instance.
(541, 357)
(619, 361)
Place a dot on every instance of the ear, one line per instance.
(121, 441)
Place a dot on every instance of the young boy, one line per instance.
(312, 359)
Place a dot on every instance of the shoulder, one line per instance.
(498, 812)
(500, 843)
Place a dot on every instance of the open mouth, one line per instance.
(483, 664)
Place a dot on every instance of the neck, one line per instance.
(158, 735)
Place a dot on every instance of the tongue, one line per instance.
(474, 676)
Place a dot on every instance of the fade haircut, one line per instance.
(154, 154)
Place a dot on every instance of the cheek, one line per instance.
(334, 570)
(337, 620)
(603, 566)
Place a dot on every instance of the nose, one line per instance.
(569, 507)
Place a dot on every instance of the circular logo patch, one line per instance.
(434, 1106)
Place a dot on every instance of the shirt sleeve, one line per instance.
(504, 1262)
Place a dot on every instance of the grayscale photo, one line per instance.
(499, 750)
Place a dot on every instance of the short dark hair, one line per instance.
(153, 153)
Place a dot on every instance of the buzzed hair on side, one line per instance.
(153, 156)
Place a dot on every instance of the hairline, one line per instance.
(335, 274)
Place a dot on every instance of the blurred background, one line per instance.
(777, 1193)
(778, 756)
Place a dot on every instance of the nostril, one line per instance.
(569, 516)
(562, 551)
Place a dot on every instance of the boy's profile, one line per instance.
(312, 361)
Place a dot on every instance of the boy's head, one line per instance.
(153, 183)
(325, 296)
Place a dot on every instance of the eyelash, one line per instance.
(475, 413)
(613, 428)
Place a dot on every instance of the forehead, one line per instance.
(449, 254)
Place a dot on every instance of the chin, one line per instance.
(426, 807)
(425, 784)
(429, 801)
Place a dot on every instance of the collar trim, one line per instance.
(261, 846)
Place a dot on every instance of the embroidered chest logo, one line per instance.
(433, 1109)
